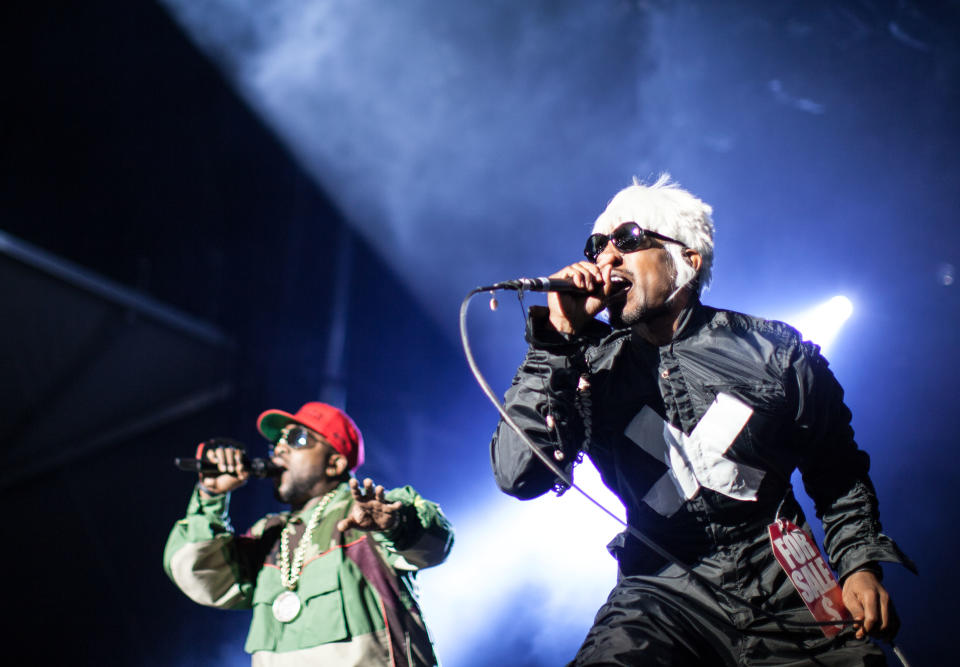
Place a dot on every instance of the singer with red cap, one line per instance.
(330, 581)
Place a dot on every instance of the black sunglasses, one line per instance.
(628, 237)
(293, 436)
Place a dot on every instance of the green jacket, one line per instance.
(355, 587)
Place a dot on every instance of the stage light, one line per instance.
(549, 560)
(822, 323)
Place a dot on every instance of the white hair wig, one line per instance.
(666, 208)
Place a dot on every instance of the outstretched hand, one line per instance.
(870, 605)
(370, 510)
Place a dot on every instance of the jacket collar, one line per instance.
(691, 319)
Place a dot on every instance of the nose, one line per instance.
(279, 449)
(610, 256)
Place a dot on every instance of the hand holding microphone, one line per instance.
(576, 293)
(231, 473)
(223, 465)
(571, 309)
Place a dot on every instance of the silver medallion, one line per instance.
(286, 607)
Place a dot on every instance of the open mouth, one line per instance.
(619, 286)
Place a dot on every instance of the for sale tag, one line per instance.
(801, 560)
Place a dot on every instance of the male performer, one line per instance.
(696, 418)
(330, 581)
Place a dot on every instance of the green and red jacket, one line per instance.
(356, 588)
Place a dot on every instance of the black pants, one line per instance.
(673, 619)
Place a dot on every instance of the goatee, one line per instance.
(623, 320)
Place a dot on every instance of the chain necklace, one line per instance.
(290, 573)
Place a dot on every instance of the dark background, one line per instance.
(135, 152)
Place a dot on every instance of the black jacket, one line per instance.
(778, 408)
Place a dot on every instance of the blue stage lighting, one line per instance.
(548, 560)
(822, 323)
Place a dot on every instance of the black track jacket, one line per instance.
(698, 438)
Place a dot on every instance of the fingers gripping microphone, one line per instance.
(198, 464)
(257, 467)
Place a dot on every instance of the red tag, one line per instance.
(801, 560)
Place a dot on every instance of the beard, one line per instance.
(646, 300)
(624, 316)
(294, 489)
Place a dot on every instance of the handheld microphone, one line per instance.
(257, 467)
(542, 285)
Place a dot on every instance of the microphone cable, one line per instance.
(519, 285)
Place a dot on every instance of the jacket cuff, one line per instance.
(882, 550)
(872, 566)
(408, 529)
(215, 506)
(542, 335)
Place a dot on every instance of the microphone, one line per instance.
(542, 285)
(257, 467)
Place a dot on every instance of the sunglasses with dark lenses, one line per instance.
(293, 436)
(628, 237)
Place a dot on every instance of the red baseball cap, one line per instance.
(328, 421)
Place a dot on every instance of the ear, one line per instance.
(336, 465)
(693, 258)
